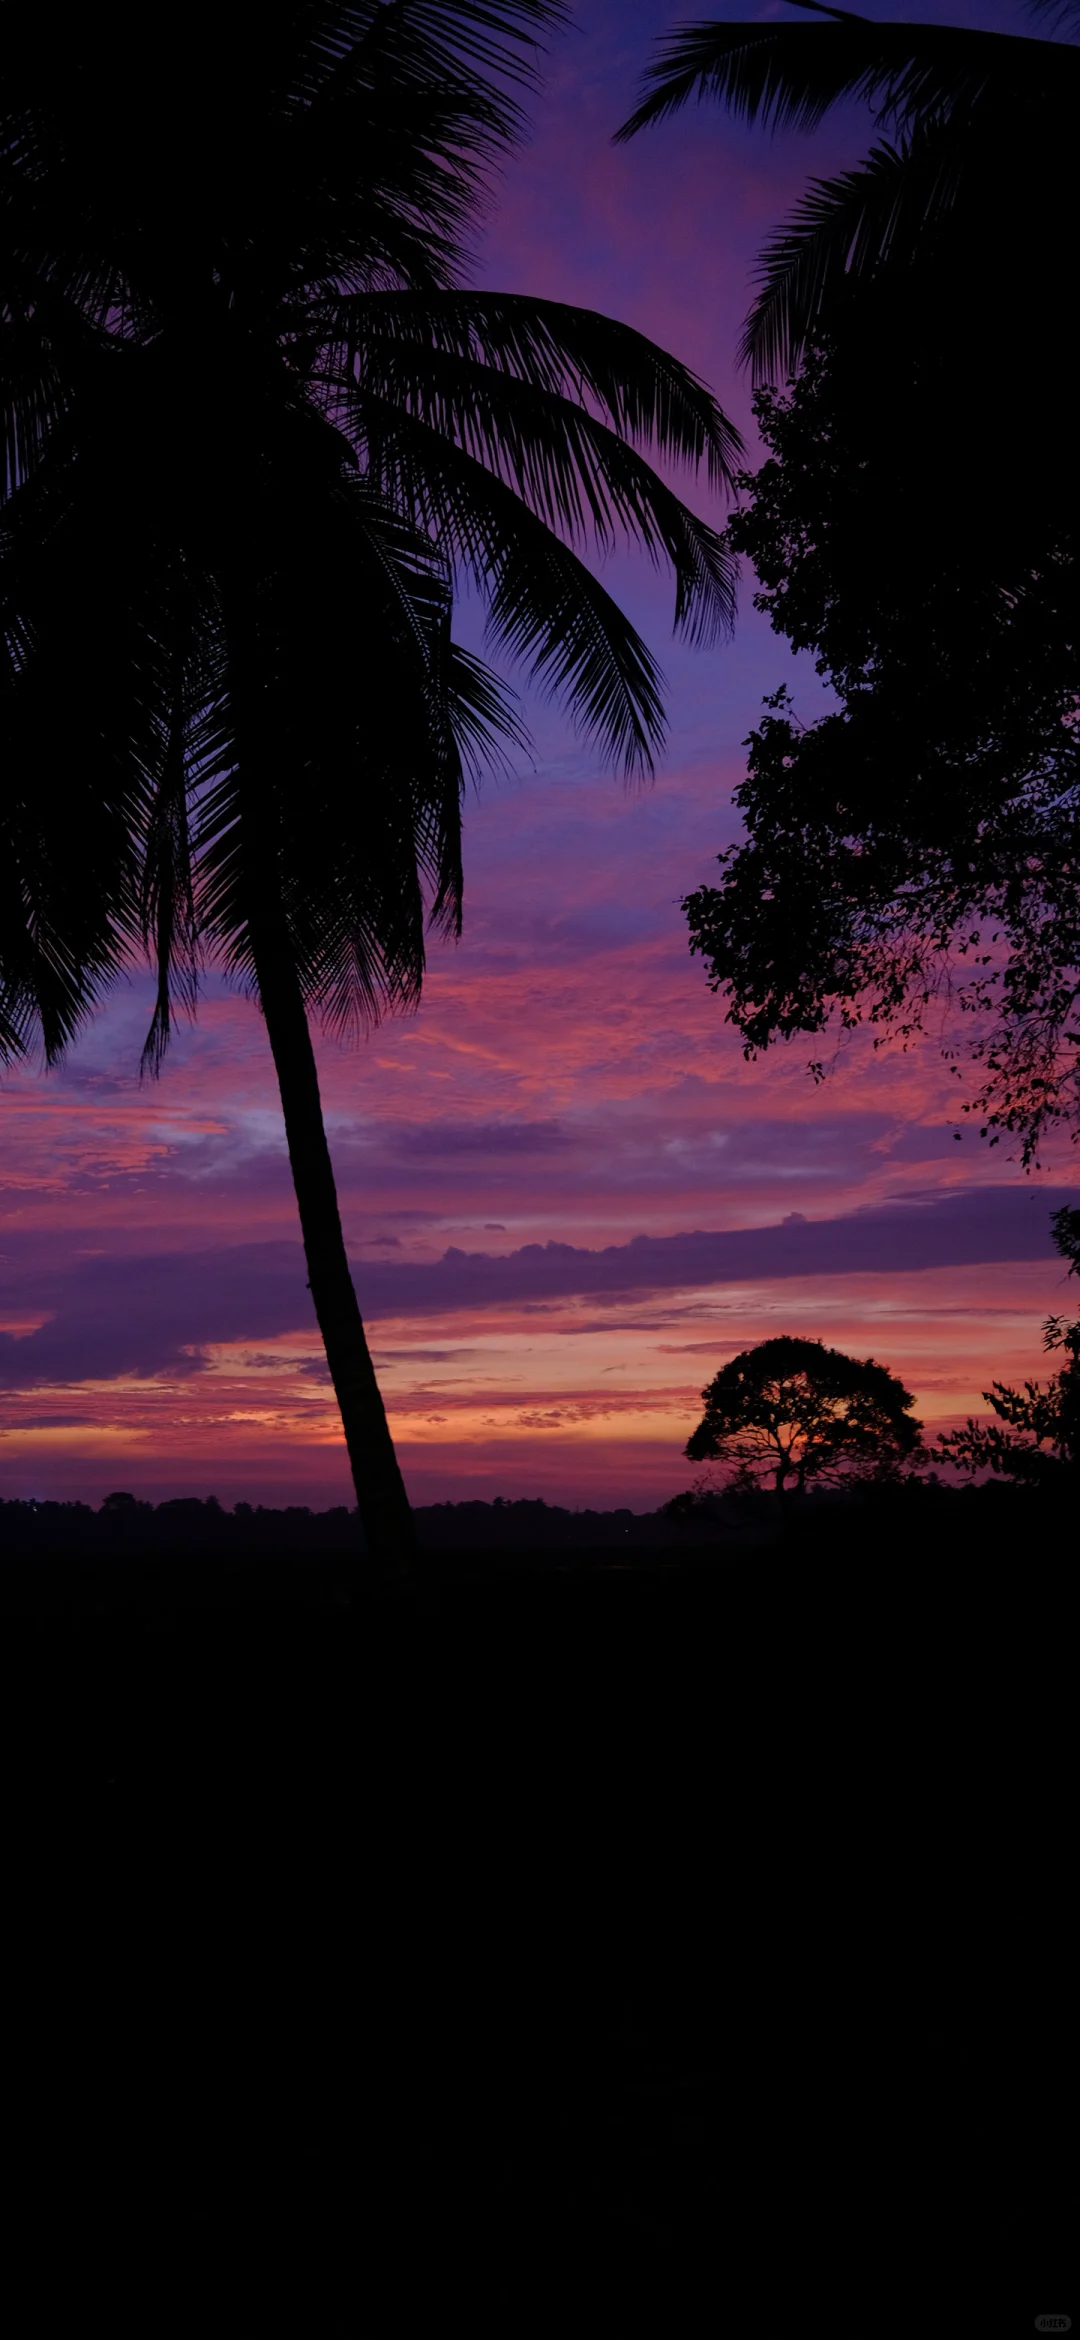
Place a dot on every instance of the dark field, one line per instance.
(675, 1939)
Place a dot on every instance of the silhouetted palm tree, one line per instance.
(254, 431)
(981, 156)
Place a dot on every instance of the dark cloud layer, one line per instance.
(155, 1313)
(158, 1313)
(963, 1228)
(440, 1138)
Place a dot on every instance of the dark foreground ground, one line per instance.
(674, 1943)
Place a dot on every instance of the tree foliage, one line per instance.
(919, 849)
(797, 1412)
(1047, 1415)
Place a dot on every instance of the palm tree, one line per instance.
(255, 431)
(978, 170)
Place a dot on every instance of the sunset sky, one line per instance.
(567, 1198)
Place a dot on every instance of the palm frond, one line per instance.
(340, 46)
(352, 798)
(544, 605)
(645, 395)
(570, 471)
(482, 714)
(36, 386)
(787, 76)
(167, 890)
(424, 90)
(74, 738)
(846, 227)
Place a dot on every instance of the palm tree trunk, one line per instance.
(387, 1521)
(389, 1529)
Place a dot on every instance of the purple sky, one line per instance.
(564, 1191)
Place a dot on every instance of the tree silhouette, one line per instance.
(918, 849)
(795, 1411)
(255, 430)
(1047, 1414)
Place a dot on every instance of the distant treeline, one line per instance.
(189, 1526)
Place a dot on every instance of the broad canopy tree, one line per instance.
(916, 527)
(255, 431)
(796, 1412)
